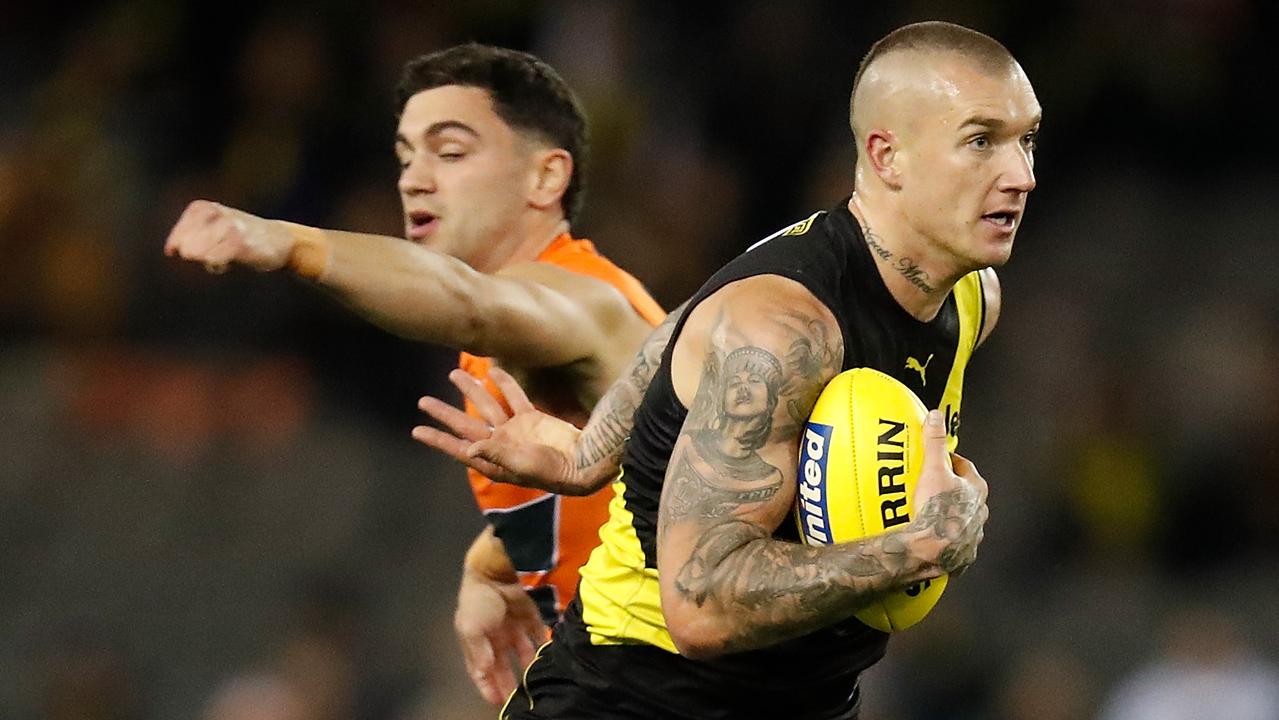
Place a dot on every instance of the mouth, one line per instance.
(1003, 220)
(420, 224)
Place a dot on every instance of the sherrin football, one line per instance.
(860, 457)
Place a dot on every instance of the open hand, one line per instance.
(524, 447)
(495, 622)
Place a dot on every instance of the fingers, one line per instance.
(525, 648)
(482, 667)
(458, 449)
(964, 468)
(488, 406)
(936, 457)
(459, 422)
(196, 214)
(511, 390)
(205, 234)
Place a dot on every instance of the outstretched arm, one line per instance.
(519, 313)
(533, 449)
(749, 364)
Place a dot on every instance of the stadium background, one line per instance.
(207, 486)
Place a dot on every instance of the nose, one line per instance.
(418, 176)
(1019, 175)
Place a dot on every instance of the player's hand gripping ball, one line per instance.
(860, 458)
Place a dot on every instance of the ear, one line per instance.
(551, 171)
(882, 157)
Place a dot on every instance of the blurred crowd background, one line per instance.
(210, 506)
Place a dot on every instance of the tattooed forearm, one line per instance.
(904, 265)
(774, 590)
(771, 591)
(608, 436)
(611, 422)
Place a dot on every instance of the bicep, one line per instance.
(749, 364)
(538, 315)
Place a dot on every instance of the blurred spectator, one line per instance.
(1047, 683)
(260, 696)
(1205, 669)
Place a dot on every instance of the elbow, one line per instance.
(697, 633)
(473, 320)
(698, 650)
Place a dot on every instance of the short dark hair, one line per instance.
(937, 36)
(527, 94)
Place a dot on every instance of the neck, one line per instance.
(915, 276)
(535, 240)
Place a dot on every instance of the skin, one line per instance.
(481, 200)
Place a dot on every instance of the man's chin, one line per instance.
(993, 254)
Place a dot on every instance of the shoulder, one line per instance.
(765, 300)
(589, 293)
(770, 312)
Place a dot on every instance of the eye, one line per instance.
(980, 142)
(450, 154)
(1030, 140)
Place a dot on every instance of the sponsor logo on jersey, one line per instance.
(913, 364)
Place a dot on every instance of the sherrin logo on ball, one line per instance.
(859, 460)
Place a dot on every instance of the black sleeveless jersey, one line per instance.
(618, 599)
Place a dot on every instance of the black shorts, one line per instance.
(560, 684)
(556, 686)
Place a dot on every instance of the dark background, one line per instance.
(208, 496)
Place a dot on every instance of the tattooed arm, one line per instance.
(533, 449)
(749, 364)
(598, 450)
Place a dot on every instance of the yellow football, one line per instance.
(860, 457)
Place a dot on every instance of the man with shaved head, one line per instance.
(700, 602)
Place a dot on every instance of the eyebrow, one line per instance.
(437, 128)
(991, 123)
(986, 122)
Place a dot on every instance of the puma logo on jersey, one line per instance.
(913, 364)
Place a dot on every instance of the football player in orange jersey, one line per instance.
(491, 145)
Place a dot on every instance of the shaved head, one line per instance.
(906, 66)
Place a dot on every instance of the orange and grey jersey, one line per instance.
(549, 536)
(618, 602)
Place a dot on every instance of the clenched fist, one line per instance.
(217, 236)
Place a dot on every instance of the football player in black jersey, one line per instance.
(698, 603)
